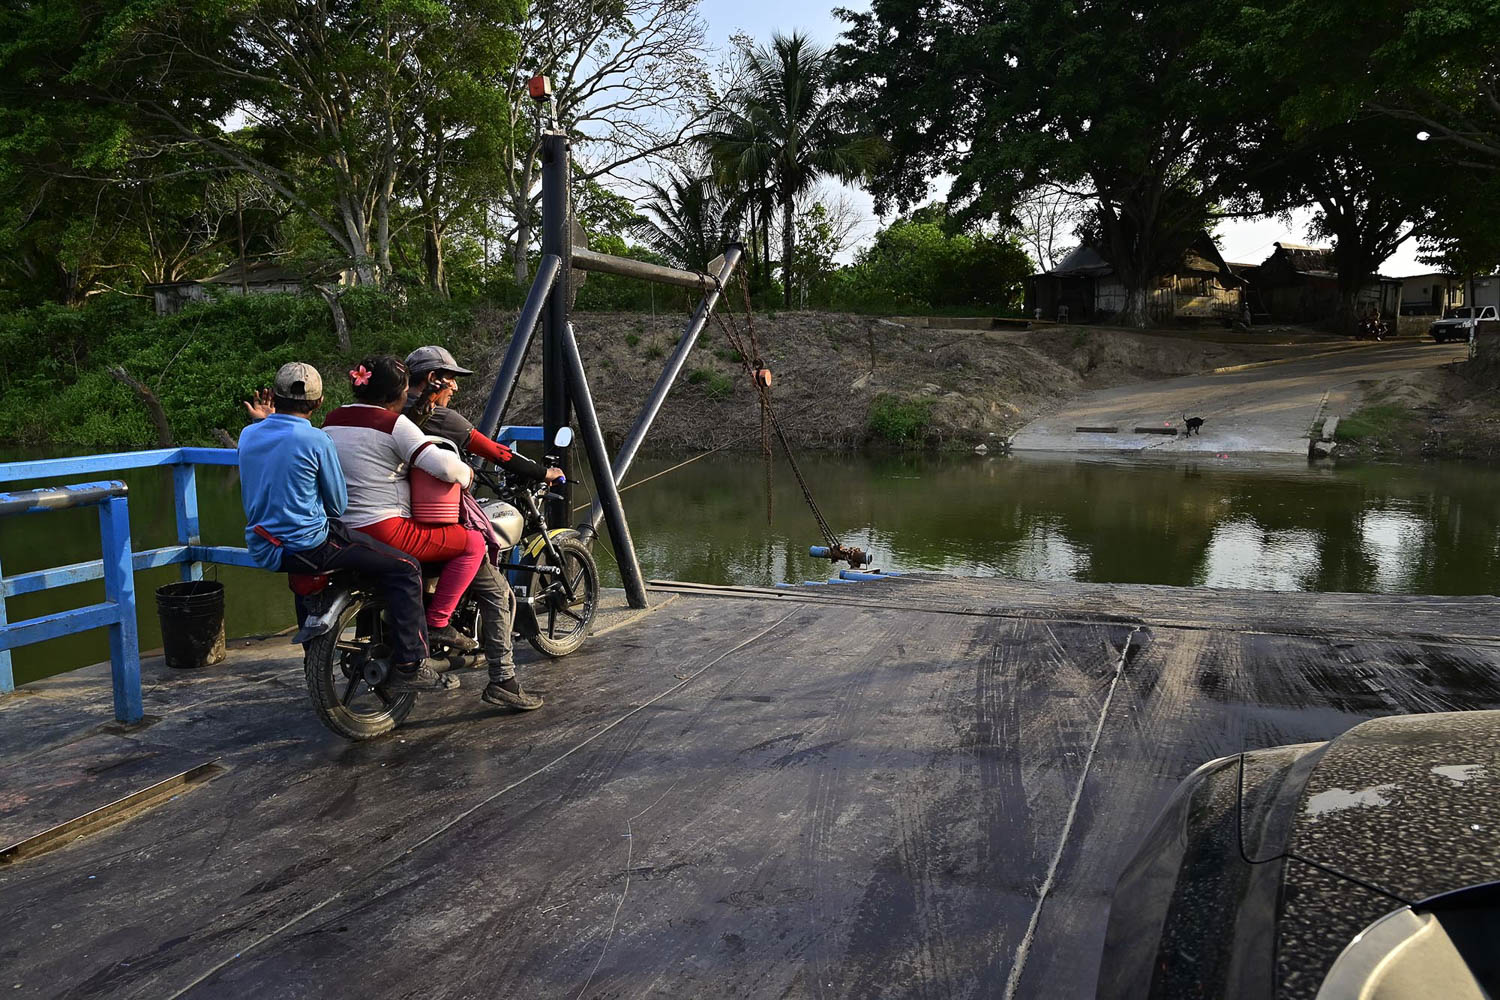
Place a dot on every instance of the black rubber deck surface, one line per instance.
(921, 787)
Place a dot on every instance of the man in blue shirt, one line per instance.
(293, 492)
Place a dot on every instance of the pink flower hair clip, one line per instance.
(361, 375)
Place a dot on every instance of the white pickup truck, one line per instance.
(1459, 323)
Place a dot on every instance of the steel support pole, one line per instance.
(658, 396)
(604, 479)
(520, 345)
(557, 241)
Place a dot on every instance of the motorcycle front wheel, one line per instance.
(562, 625)
(335, 680)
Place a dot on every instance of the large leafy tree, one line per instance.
(65, 232)
(1107, 101)
(1431, 65)
(1370, 184)
(785, 123)
(1344, 91)
(1464, 239)
(344, 110)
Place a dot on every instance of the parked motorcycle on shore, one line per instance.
(1373, 328)
(347, 655)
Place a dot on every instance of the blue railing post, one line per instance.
(185, 494)
(7, 678)
(119, 589)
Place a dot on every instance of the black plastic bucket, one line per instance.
(192, 623)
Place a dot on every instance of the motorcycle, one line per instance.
(1372, 328)
(346, 652)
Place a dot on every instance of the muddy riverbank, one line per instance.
(844, 381)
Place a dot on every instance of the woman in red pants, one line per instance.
(377, 448)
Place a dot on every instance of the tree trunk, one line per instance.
(765, 244)
(751, 243)
(788, 244)
(432, 255)
(357, 233)
(340, 322)
(523, 244)
(383, 235)
(1355, 265)
(1137, 310)
(153, 405)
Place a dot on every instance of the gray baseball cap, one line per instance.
(298, 380)
(433, 359)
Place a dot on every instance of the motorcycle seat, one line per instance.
(307, 584)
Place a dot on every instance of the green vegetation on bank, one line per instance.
(1379, 421)
(56, 390)
(897, 420)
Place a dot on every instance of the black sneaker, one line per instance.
(517, 699)
(421, 677)
(452, 638)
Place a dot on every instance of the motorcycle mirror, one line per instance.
(563, 437)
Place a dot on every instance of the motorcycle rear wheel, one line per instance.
(340, 696)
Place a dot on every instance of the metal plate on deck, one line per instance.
(99, 779)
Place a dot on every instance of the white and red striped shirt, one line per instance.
(375, 449)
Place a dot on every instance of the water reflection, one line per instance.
(1243, 554)
(1397, 541)
(1270, 526)
(1267, 526)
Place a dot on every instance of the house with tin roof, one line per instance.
(1300, 284)
(1083, 288)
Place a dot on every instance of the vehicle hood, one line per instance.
(1453, 322)
(1409, 805)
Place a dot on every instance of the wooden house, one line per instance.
(256, 278)
(1300, 284)
(1083, 288)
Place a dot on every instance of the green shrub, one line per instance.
(654, 351)
(897, 420)
(632, 340)
(714, 385)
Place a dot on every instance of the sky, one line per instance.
(1246, 241)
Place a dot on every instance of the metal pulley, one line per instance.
(851, 554)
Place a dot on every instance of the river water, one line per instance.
(1273, 525)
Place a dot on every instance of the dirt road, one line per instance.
(1265, 408)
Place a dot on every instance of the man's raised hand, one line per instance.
(261, 405)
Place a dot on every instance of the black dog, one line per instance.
(1193, 424)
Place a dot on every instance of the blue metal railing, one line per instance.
(189, 553)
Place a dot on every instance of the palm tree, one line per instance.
(687, 220)
(780, 132)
